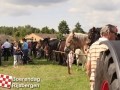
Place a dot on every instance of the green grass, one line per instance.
(52, 75)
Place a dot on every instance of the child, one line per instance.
(17, 54)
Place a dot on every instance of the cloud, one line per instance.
(88, 12)
(106, 5)
(96, 12)
(14, 10)
(35, 2)
(73, 10)
(103, 5)
(24, 7)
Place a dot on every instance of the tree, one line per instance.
(53, 31)
(78, 28)
(45, 30)
(63, 27)
(60, 36)
(17, 34)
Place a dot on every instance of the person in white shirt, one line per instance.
(6, 46)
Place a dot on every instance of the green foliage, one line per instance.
(17, 34)
(63, 27)
(45, 30)
(60, 36)
(78, 28)
(21, 31)
(53, 31)
(48, 31)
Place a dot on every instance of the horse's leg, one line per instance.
(61, 62)
(53, 56)
(84, 58)
(56, 56)
(64, 59)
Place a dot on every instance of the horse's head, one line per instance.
(76, 40)
(49, 46)
(69, 44)
(93, 35)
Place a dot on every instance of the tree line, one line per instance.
(21, 31)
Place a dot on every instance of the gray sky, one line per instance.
(40, 13)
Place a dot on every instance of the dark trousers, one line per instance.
(0, 59)
(33, 52)
(6, 54)
(25, 56)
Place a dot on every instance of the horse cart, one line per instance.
(108, 67)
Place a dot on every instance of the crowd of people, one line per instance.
(21, 52)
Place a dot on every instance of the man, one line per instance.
(25, 51)
(6, 46)
(108, 32)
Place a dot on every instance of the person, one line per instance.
(108, 32)
(6, 46)
(25, 51)
(17, 53)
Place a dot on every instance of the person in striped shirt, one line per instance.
(108, 32)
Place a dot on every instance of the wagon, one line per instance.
(107, 75)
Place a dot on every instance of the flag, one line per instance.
(5, 81)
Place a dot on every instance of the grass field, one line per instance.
(52, 76)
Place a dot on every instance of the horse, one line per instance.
(55, 48)
(80, 59)
(93, 35)
(49, 47)
(118, 36)
(39, 50)
(61, 55)
(74, 41)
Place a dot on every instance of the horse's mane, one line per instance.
(80, 35)
(118, 36)
(93, 35)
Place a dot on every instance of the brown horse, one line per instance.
(61, 55)
(74, 41)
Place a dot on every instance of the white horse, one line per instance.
(80, 58)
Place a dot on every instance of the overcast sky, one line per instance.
(40, 13)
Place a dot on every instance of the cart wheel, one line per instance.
(106, 77)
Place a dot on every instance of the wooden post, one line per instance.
(68, 66)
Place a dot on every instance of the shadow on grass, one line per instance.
(41, 61)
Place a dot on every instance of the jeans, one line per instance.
(25, 56)
(17, 59)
